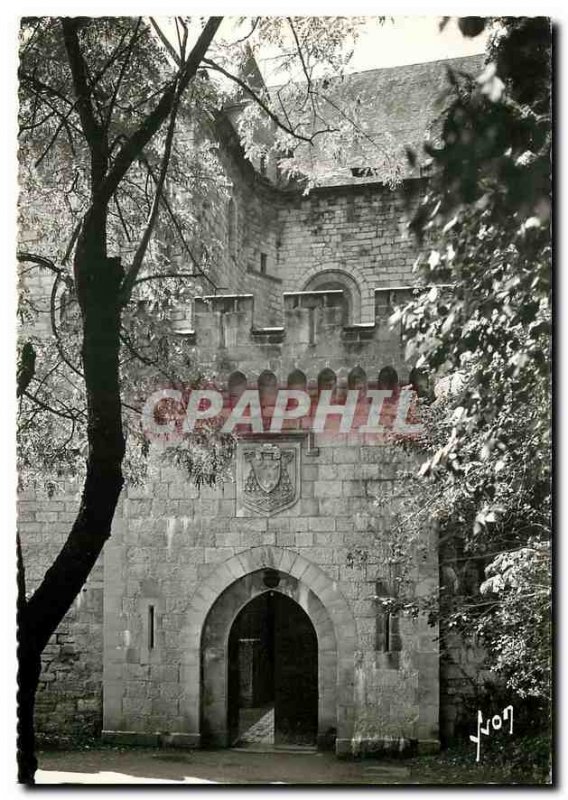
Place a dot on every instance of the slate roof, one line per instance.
(399, 108)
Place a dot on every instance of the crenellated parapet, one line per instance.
(308, 316)
(314, 336)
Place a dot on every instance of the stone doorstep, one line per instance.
(296, 749)
(350, 748)
(344, 748)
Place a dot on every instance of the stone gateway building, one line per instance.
(236, 613)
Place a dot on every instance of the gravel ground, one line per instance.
(218, 766)
(247, 766)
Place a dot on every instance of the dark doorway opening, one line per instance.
(273, 674)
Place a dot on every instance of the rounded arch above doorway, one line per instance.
(213, 609)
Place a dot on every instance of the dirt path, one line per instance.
(224, 766)
(242, 766)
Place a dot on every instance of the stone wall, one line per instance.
(170, 541)
(238, 225)
(462, 681)
(276, 239)
(360, 231)
(312, 338)
(169, 538)
(35, 283)
(69, 698)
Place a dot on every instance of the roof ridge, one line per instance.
(348, 75)
(416, 64)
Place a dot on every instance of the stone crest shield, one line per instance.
(268, 477)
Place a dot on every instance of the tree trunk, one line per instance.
(38, 618)
(28, 676)
(29, 668)
(98, 282)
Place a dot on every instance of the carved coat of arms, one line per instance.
(268, 477)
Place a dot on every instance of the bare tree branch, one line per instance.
(274, 117)
(46, 407)
(122, 71)
(41, 86)
(127, 342)
(136, 266)
(40, 382)
(182, 39)
(35, 123)
(166, 42)
(91, 126)
(121, 218)
(88, 85)
(65, 121)
(156, 276)
(72, 240)
(283, 107)
(348, 118)
(299, 49)
(42, 261)
(50, 143)
(55, 331)
(136, 142)
(254, 26)
(177, 226)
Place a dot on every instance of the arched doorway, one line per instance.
(213, 608)
(273, 674)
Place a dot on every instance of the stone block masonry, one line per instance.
(69, 698)
(303, 289)
(147, 689)
(160, 562)
(361, 232)
(170, 540)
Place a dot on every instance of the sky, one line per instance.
(399, 40)
(411, 40)
(405, 40)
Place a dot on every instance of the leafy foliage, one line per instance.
(116, 155)
(129, 68)
(485, 224)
